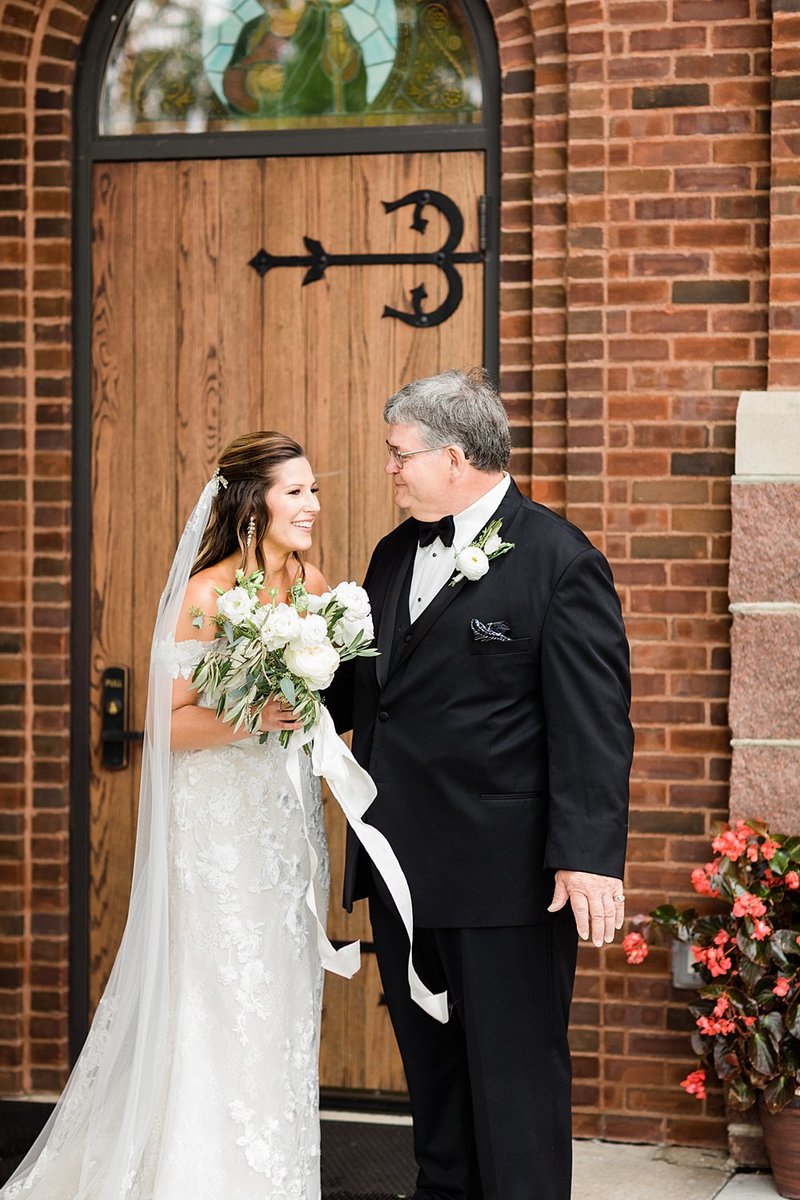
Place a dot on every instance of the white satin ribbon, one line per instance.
(354, 791)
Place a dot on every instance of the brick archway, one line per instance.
(41, 49)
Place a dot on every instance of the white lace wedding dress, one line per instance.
(241, 1118)
(238, 1116)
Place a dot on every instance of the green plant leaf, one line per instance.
(748, 946)
(783, 947)
(750, 972)
(761, 1053)
(288, 689)
(779, 863)
(709, 927)
(699, 1044)
(740, 1093)
(726, 1062)
(772, 1024)
(791, 846)
(779, 1091)
(790, 1056)
(792, 1018)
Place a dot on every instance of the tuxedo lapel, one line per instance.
(506, 512)
(388, 614)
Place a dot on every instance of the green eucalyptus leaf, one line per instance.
(289, 690)
(779, 1092)
(740, 1093)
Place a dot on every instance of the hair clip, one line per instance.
(218, 478)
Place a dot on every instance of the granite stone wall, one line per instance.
(765, 601)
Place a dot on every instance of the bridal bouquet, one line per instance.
(289, 651)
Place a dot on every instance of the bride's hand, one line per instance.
(277, 715)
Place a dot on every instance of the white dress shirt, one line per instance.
(434, 565)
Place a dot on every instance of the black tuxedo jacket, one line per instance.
(495, 762)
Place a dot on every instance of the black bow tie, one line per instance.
(445, 530)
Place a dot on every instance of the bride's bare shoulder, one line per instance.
(315, 581)
(201, 599)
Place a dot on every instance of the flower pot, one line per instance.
(782, 1137)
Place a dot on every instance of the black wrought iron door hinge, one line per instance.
(317, 260)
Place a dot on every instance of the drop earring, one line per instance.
(251, 531)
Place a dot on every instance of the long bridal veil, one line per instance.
(101, 1131)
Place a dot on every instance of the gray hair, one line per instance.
(456, 408)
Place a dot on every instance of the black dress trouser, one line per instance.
(490, 1091)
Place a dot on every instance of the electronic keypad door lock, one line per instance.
(114, 708)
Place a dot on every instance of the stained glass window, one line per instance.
(189, 66)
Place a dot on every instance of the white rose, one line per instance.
(353, 599)
(283, 625)
(493, 543)
(313, 630)
(316, 665)
(315, 603)
(472, 562)
(347, 629)
(235, 606)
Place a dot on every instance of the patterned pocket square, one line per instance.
(490, 631)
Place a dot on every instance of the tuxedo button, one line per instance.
(406, 637)
(383, 715)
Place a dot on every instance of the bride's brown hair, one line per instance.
(249, 465)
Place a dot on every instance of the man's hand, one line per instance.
(598, 903)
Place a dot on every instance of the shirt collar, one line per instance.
(472, 520)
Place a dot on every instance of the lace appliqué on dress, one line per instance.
(181, 658)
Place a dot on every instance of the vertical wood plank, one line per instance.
(241, 331)
(112, 816)
(198, 301)
(284, 367)
(154, 338)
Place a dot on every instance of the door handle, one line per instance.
(115, 737)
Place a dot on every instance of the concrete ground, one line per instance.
(611, 1171)
(615, 1171)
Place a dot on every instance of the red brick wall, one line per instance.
(639, 171)
(668, 159)
(34, 527)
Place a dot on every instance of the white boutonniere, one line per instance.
(473, 561)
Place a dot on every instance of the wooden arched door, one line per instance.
(190, 346)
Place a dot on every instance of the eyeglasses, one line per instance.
(399, 457)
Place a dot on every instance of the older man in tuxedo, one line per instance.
(495, 725)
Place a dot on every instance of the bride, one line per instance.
(199, 1075)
